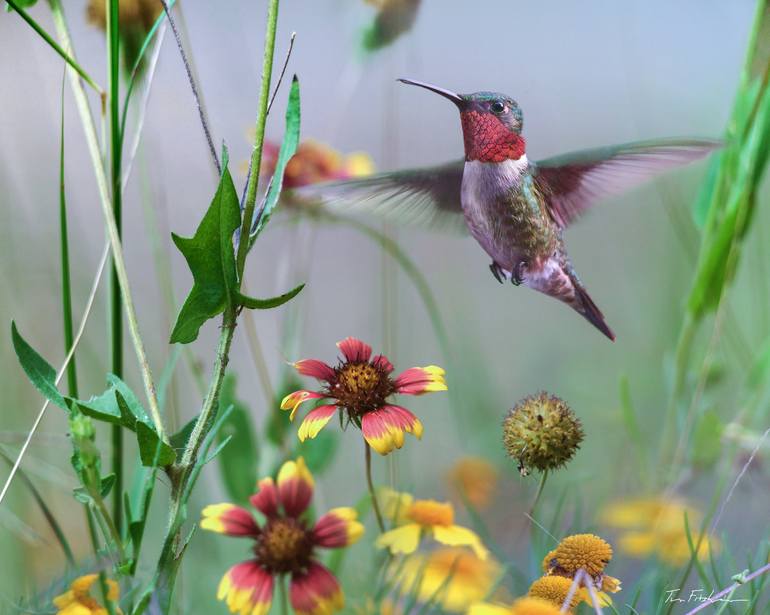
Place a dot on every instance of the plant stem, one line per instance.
(370, 484)
(282, 601)
(539, 493)
(256, 153)
(116, 312)
(112, 231)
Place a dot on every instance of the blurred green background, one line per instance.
(585, 74)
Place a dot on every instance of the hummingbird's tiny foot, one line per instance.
(517, 273)
(498, 272)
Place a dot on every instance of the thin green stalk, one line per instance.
(259, 140)
(539, 494)
(116, 312)
(112, 232)
(56, 47)
(282, 599)
(370, 485)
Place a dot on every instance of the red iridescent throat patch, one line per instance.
(487, 139)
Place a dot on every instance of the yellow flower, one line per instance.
(655, 526)
(475, 479)
(579, 551)
(522, 606)
(453, 578)
(78, 601)
(555, 590)
(433, 518)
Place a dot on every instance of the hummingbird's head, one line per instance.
(492, 123)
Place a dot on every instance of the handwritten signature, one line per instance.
(698, 595)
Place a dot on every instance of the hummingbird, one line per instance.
(516, 209)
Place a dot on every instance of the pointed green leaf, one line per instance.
(38, 370)
(152, 447)
(267, 304)
(288, 149)
(238, 462)
(180, 438)
(209, 254)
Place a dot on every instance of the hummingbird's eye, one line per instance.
(498, 106)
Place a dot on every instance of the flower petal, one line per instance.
(355, 350)
(338, 528)
(404, 539)
(382, 362)
(293, 400)
(458, 536)
(315, 592)
(315, 421)
(384, 429)
(315, 369)
(265, 500)
(295, 487)
(228, 519)
(485, 608)
(419, 380)
(247, 589)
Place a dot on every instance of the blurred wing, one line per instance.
(428, 197)
(574, 182)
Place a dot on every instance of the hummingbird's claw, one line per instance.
(498, 272)
(517, 273)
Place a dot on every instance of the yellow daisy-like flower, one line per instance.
(522, 606)
(78, 600)
(475, 479)
(555, 590)
(429, 517)
(579, 551)
(655, 526)
(453, 578)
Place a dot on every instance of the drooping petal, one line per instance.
(384, 429)
(315, 421)
(315, 369)
(293, 400)
(419, 380)
(247, 589)
(315, 592)
(338, 528)
(458, 536)
(228, 519)
(295, 487)
(355, 350)
(265, 500)
(403, 539)
(381, 361)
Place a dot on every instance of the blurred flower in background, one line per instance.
(475, 480)
(284, 545)
(78, 601)
(656, 526)
(360, 386)
(316, 162)
(394, 18)
(452, 578)
(428, 517)
(522, 606)
(136, 18)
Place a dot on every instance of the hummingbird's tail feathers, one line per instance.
(585, 306)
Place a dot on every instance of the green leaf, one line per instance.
(288, 149)
(320, 451)
(267, 304)
(180, 438)
(209, 254)
(707, 440)
(152, 450)
(38, 370)
(238, 461)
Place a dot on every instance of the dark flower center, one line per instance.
(361, 388)
(284, 545)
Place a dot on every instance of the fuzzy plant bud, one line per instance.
(541, 432)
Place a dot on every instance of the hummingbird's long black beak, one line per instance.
(455, 98)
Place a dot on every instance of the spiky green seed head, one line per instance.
(541, 432)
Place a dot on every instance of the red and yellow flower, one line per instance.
(427, 517)
(359, 386)
(77, 600)
(284, 544)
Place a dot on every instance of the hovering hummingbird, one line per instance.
(515, 209)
